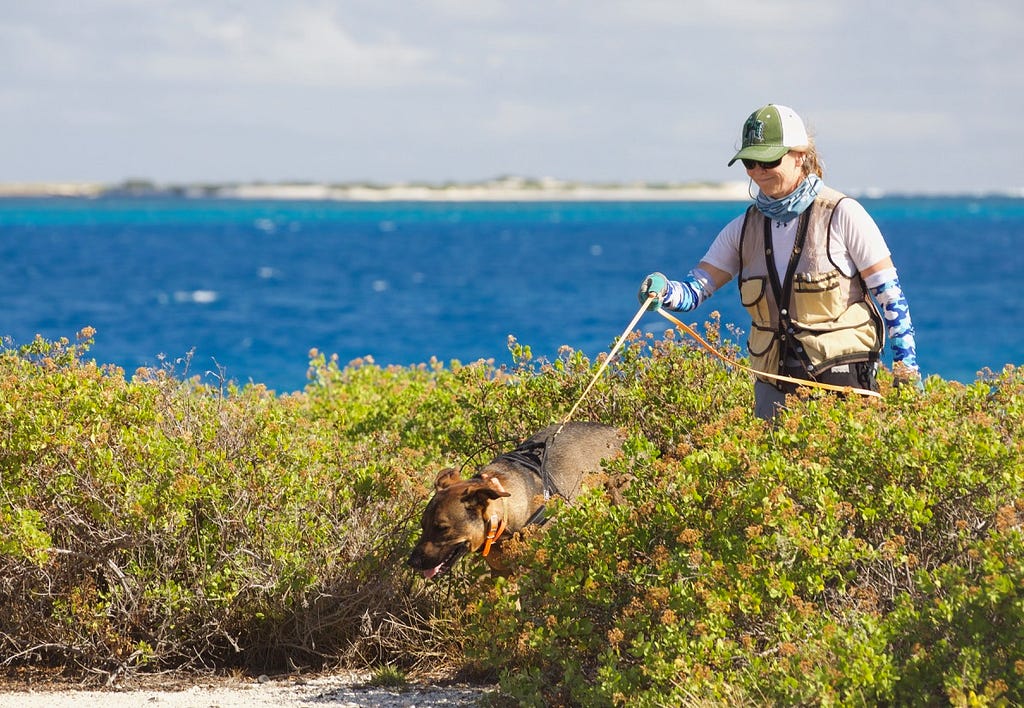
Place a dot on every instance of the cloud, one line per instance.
(475, 10)
(295, 44)
(603, 89)
(714, 14)
(519, 119)
(862, 127)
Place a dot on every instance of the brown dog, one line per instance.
(471, 515)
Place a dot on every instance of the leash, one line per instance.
(538, 516)
(547, 484)
(710, 349)
(604, 365)
(778, 377)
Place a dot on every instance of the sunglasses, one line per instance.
(751, 164)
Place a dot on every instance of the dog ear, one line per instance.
(478, 492)
(446, 478)
(495, 483)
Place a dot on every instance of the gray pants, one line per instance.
(768, 400)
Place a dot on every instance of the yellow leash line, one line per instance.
(778, 377)
(604, 365)
(690, 331)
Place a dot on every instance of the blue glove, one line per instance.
(654, 284)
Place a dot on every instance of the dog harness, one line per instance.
(533, 456)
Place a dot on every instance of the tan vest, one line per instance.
(827, 318)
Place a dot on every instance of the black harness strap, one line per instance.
(533, 456)
(783, 288)
(528, 455)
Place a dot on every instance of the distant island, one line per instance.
(505, 188)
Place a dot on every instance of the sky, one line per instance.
(901, 95)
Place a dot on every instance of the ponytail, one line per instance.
(813, 163)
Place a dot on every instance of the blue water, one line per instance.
(247, 288)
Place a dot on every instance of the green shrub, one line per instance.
(164, 523)
(855, 552)
(842, 556)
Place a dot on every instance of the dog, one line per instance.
(507, 495)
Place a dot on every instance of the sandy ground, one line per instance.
(334, 691)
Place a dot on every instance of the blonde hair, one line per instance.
(812, 161)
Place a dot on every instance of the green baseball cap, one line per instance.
(770, 132)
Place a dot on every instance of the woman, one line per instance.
(806, 257)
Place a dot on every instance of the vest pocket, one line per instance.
(753, 298)
(817, 298)
(855, 333)
(764, 350)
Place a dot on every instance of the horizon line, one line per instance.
(502, 188)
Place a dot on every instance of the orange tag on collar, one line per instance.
(497, 528)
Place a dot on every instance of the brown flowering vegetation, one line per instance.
(856, 552)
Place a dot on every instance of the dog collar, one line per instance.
(495, 528)
(496, 525)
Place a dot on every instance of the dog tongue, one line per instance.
(430, 573)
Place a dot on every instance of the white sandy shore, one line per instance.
(51, 189)
(337, 691)
(508, 189)
(507, 192)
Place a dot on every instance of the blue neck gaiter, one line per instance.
(792, 205)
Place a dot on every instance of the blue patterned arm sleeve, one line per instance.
(885, 287)
(685, 295)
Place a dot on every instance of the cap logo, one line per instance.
(753, 131)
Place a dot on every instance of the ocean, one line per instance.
(244, 289)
